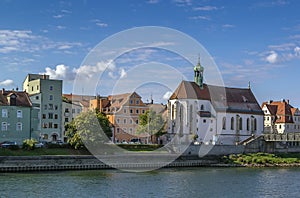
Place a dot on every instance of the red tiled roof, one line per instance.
(22, 98)
(282, 109)
(222, 98)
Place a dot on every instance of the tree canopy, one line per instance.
(151, 123)
(88, 128)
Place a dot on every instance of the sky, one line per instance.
(248, 41)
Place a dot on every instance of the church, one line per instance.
(213, 115)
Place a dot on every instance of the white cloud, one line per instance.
(152, 1)
(183, 2)
(122, 73)
(61, 72)
(102, 24)
(205, 8)
(167, 95)
(200, 17)
(272, 57)
(297, 51)
(228, 26)
(58, 16)
(7, 83)
(60, 27)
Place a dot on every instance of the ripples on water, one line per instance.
(184, 182)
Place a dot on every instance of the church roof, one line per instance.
(225, 99)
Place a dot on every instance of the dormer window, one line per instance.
(13, 100)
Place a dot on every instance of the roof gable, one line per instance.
(21, 98)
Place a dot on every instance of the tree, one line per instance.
(88, 128)
(151, 123)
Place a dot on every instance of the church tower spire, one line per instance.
(198, 74)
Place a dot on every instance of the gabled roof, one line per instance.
(282, 109)
(226, 99)
(119, 100)
(22, 99)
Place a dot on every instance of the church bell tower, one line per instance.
(198, 74)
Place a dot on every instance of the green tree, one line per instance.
(88, 128)
(151, 123)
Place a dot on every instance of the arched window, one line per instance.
(255, 124)
(232, 123)
(241, 123)
(224, 123)
(173, 112)
(248, 124)
(202, 107)
(191, 119)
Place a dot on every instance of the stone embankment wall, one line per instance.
(50, 163)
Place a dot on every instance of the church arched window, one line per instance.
(224, 123)
(232, 123)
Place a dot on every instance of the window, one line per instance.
(50, 124)
(51, 87)
(67, 110)
(118, 120)
(232, 123)
(37, 87)
(143, 111)
(56, 107)
(51, 97)
(130, 130)
(202, 107)
(224, 123)
(66, 119)
(4, 126)
(44, 116)
(130, 121)
(240, 123)
(137, 121)
(280, 126)
(4, 113)
(118, 130)
(137, 102)
(131, 111)
(137, 111)
(131, 101)
(255, 124)
(32, 88)
(45, 125)
(19, 126)
(19, 114)
(50, 115)
(124, 130)
(124, 111)
(124, 121)
(268, 118)
(50, 106)
(73, 111)
(45, 107)
(55, 126)
(55, 116)
(204, 121)
(36, 97)
(248, 124)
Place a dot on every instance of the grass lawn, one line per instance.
(263, 159)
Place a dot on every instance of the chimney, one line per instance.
(288, 101)
(282, 100)
(3, 90)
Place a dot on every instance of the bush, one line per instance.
(29, 144)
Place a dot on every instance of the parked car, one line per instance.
(39, 145)
(8, 144)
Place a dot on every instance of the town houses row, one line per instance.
(195, 112)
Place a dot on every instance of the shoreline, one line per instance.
(87, 162)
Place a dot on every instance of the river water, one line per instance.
(169, 182)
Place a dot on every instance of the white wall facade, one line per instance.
(185, 121)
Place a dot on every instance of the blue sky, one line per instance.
(256, 41)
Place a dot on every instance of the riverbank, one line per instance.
(89, 162)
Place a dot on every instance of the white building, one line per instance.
(213, 114)
(280, 117)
